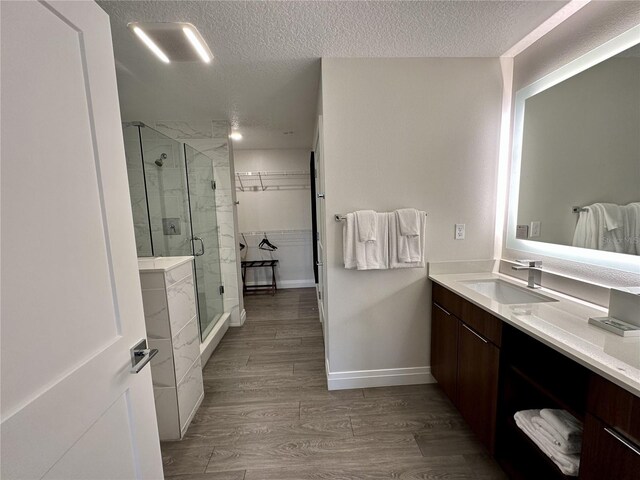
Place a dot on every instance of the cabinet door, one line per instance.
(607, 454)
(478, 383)
(444, 350)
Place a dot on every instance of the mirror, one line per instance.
(575, 177)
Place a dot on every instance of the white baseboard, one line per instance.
(284, 284)
(378, 378)
(211, 342)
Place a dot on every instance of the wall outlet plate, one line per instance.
(460, 227)
(535, 229)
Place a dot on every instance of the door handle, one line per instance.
(141, 355)
(321, 195)
(201, 245)
(622, 440)
(477, 335)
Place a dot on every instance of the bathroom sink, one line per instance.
(506, 293)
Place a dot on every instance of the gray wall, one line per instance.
(398, 133)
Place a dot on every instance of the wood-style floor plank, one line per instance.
(268, 414)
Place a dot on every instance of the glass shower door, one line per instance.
(204, 231)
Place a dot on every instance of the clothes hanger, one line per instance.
(265, 244)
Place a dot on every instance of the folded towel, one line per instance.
(561, 444)
(398, 243)
(367, 225)
(408, 221)
(568, 464)
(373, 255)
(349, 241)
(567, 426)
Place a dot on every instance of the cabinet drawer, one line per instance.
(614, 406)
(607, 454)
(482, 322)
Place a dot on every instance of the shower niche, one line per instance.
(173, 201)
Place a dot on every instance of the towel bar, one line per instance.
(339, 217)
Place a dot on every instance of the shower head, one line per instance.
(159, 162)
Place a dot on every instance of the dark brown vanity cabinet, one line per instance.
(465, 361)
(491, 370)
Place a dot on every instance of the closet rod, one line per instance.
(340, 218)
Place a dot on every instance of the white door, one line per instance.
(71, 300)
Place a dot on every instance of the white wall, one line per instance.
(275, 210)
(593, 25)
(420, 133)
(580, 146)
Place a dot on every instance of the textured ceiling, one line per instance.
(265, 75)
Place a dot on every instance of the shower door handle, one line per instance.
(197, 254)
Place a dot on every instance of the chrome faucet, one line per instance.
(535, 271)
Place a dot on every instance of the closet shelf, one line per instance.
(261, 181)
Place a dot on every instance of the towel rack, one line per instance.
(578, 209)
(340, 217)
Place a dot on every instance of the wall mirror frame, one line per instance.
(618, 261)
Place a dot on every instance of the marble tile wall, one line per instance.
(172, 328)
(211, 138)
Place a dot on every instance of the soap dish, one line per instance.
(616, 326)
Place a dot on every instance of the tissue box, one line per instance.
(624, 313)
(625, 306)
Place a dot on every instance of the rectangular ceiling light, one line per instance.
(197, 44)
(149, 43)
(177, 41)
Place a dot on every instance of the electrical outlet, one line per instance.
(459, 231)
(534, 231)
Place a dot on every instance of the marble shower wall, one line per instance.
(212, 139)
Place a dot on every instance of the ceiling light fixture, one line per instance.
(149, 43)
(235, 136)
(196, 44)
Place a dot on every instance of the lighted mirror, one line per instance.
(575, 177)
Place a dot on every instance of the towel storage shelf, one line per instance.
(262, 181)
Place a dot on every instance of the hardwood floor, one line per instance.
(267, 413)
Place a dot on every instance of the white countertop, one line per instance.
(161, 264)
(562, 325)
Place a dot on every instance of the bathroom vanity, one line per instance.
(535, 349)
(169, 300)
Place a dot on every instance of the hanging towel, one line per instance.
(349, 241)
(408, 221)
(568, 464)
(567, 426)
(374, 255)
(599, 227)
(399, 242)
(631, 230)
(549, 433)
(367, 225)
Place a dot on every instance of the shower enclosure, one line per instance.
(173, 201)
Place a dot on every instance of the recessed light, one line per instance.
(235, 136)
(149, 43)
(196, 44)
(173, 41)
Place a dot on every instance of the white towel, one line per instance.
(632, 228)
(574, 445)
(598, 227)
(349, 241)
(568, 464)
(367, 255)
(408, 221)
(567, 426)
(395, 241)
(367, 221)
